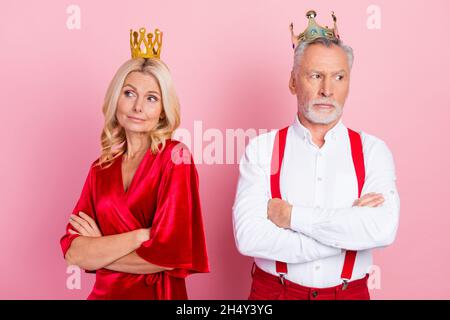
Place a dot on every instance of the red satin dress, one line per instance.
(163, 195)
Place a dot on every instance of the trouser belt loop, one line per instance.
(252, 272)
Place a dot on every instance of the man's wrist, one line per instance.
(302, 219)
(289, 215)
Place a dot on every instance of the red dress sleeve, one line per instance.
(86, 204)
(177, 238)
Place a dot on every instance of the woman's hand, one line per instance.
(84, 225)
(143, 235)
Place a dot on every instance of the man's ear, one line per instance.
(292, 84)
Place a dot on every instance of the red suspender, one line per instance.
(358, 162)
(275, 168)
(277, 160)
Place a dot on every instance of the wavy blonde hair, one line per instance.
(113, 139)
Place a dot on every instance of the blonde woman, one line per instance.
(138, 222)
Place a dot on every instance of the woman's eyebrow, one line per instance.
(150, 91)
(130, 85)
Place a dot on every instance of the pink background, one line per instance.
(231, 62)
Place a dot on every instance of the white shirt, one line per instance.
(321, 185)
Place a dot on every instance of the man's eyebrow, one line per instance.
(321, 72)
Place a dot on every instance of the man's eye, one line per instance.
(315, 76)
(152, 98)
(340, 77)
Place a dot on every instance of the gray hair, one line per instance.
(324, 41)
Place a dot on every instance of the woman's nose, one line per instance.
(138, 105)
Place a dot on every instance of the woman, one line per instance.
(138, 222)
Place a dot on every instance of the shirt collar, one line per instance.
(336, 132)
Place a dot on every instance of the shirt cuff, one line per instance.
(302, 219)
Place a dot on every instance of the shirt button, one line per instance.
(317, 268)
(319, 154)
(314, 294)
(319, 179)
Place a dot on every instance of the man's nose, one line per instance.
(326, 90)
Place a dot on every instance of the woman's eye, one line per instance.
(152, 98)
(128, 93)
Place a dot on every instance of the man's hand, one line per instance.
(84, 225)
(279, 212)
(371, 199)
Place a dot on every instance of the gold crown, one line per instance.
(314, 30)
(144, 45)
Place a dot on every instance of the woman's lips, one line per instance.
(135, 119)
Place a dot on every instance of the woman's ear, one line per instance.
(292, 84)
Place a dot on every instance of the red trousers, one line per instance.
(266, 286)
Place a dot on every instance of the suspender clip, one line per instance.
(344, 284)
(282, 275)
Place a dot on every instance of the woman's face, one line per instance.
(139, 106)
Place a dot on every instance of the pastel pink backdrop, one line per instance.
(230, 62)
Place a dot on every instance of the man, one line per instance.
(315, 198)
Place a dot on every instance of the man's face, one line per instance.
(321, 82)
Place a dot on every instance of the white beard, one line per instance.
(319, 117)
